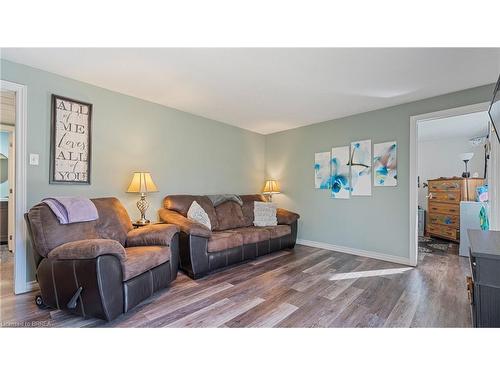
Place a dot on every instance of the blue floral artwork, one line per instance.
(361, 168)
(322, 170)
(340, 181)
(385, 164)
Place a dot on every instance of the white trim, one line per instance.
(359, 252)
(480, 107)
(494, 180)
(20, 239)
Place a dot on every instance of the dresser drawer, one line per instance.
(443, 231)
(443, 219)
(446, 185)
(444, 208)
(445, 196)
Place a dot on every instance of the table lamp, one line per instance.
(271, 187)
(142, 183)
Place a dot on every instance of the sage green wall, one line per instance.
(184, 153)
(379, 223)
(190, 154)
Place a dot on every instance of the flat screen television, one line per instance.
(494, 110)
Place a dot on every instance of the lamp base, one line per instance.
(142, 222)
(466, 174)
(142, 205)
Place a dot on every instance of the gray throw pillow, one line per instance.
(264, 214)
(198, 214)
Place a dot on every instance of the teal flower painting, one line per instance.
(340, 181)
(385, 164)
(361, 168)
(322, 170)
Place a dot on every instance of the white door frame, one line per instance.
(480, 107)
(20, 239)
(10, 130)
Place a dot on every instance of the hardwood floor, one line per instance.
(306, 287)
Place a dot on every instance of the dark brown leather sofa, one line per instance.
(233, 237)
(101, 268)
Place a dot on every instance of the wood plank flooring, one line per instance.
(305, 287)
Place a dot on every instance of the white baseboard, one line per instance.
(359, 252)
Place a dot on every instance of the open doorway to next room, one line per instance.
(7, 173)
(452, 182)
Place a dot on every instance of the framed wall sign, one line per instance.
(70, 145)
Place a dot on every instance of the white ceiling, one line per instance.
(464, 126)
(273, 89)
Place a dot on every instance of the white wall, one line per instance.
(440, 158)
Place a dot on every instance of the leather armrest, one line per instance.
(88, 249)
(152, 235)
(187, 226)
(286, 217)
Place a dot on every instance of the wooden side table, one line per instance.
(138, 225)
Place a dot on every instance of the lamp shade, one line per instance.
(142, 183)
(466, 156)
(271, 187)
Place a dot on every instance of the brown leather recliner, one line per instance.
(101, 268)
(233, 237)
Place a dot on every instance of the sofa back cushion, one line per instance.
(47, 233)
(114, 222)
(247, 207)
(181, 204)
(229, 215)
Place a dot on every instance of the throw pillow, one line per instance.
(264, 214)
(198, 214)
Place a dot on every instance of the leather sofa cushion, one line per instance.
(224, 240)
(143, 258)
(253, 198)
(252, 234)
(152, 235)
(248, 206)
(286, 217)
(229, 215)
(88, 249)
(185, 225)
(181, 204)
(278, 230)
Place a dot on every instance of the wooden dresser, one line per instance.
(443, 205)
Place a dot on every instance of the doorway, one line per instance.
(452, 161)
(7, 189)
(414, 180)
(14, 261)
(477, 111)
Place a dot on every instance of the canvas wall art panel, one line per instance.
(385, 164)
(70, 144)
(340, 179)
(322, 170)
(361, 167)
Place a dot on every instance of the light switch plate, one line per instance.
(34, 159)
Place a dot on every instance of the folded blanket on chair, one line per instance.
(72, 209)
(221, 198)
